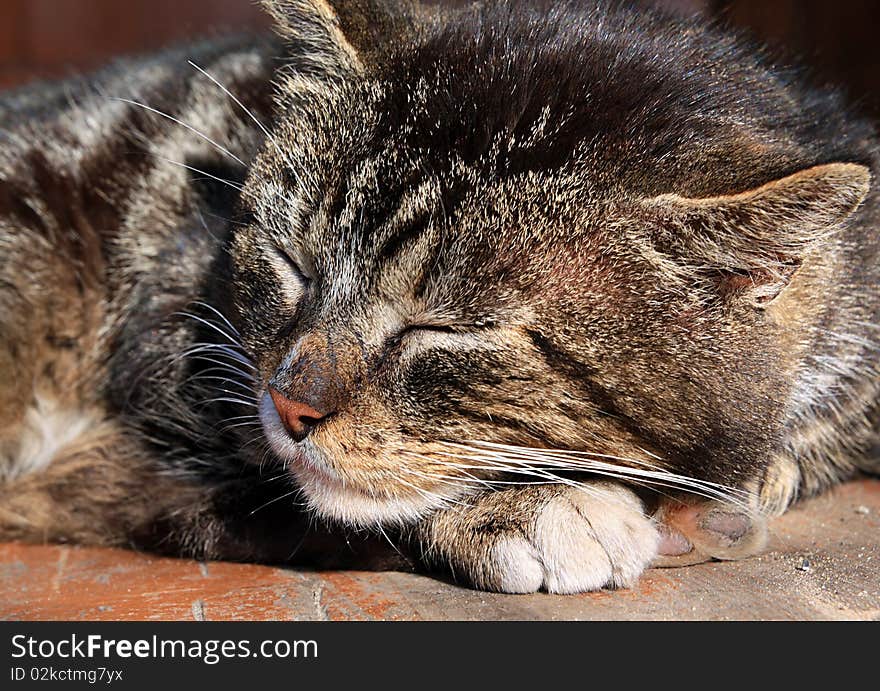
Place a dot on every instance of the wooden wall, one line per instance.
(40, 38)
(837, 39)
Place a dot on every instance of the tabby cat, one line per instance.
(536, 294)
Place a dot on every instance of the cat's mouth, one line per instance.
(300, 456)
(356, 497)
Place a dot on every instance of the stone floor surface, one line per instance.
(823, 562)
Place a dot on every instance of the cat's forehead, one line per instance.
(389, 212)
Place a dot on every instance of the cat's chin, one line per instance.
(329, 495)
(350, 506)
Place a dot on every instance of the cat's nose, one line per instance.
(298, 418)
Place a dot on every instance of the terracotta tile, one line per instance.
(823, 563)
(82, 35)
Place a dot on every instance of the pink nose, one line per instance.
(298, 418)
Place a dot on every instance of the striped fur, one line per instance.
(575, 287)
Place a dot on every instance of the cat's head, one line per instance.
(479, 238)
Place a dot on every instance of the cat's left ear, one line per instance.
(343, 35)
(760, 237)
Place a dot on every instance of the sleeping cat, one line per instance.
(538, 295)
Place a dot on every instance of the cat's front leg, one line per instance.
(556, 538)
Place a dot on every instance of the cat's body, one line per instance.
(463, 241)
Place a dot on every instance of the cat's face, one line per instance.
(423, 291)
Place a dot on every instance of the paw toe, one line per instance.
(517, 567)
(594, 539)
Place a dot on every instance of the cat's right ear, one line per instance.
(342, 36)
(757, 239)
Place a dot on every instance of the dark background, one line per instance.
(46, 38)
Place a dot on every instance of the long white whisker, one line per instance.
(232, 96)
(226, 372)
(218, 313)
(221, 351)
(192, 129)
(229, 367)
(228, 380)
(276, 499)
(433, 496)
(209, 324)
(250, 423)
(251, 416)
(229, 399)
(238, 188)
(572, 459)
(387, 539)
(551, 479)
(547, 463)
(564, 453)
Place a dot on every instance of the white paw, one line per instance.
(581, 540)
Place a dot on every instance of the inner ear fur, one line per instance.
(344, 35)
(759, 238)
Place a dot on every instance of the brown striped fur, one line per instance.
(499, 254)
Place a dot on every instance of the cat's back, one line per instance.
(100, 187)
(78, 112)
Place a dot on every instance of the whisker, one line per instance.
(564, 458)
(241, 385)
(229, 373)
(525, 471)
(219, 363)
(209, 324)
(242, 417)
(433, 497)
(218, 313)
(192, 129)
(550, 478)
(274, 478)
(547, 463)
(563, 453)
(387, 539)
(238, 188)
(220, 349)
(250, 423)
(229, 399)
(494, 484)
(232, 96)
(277, 499)
(267, 449)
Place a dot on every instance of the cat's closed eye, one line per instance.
(294, 282)
(436, 328)
(449, 334)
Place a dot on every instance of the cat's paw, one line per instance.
(693, 531)
(557, 539)
(581, 540)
